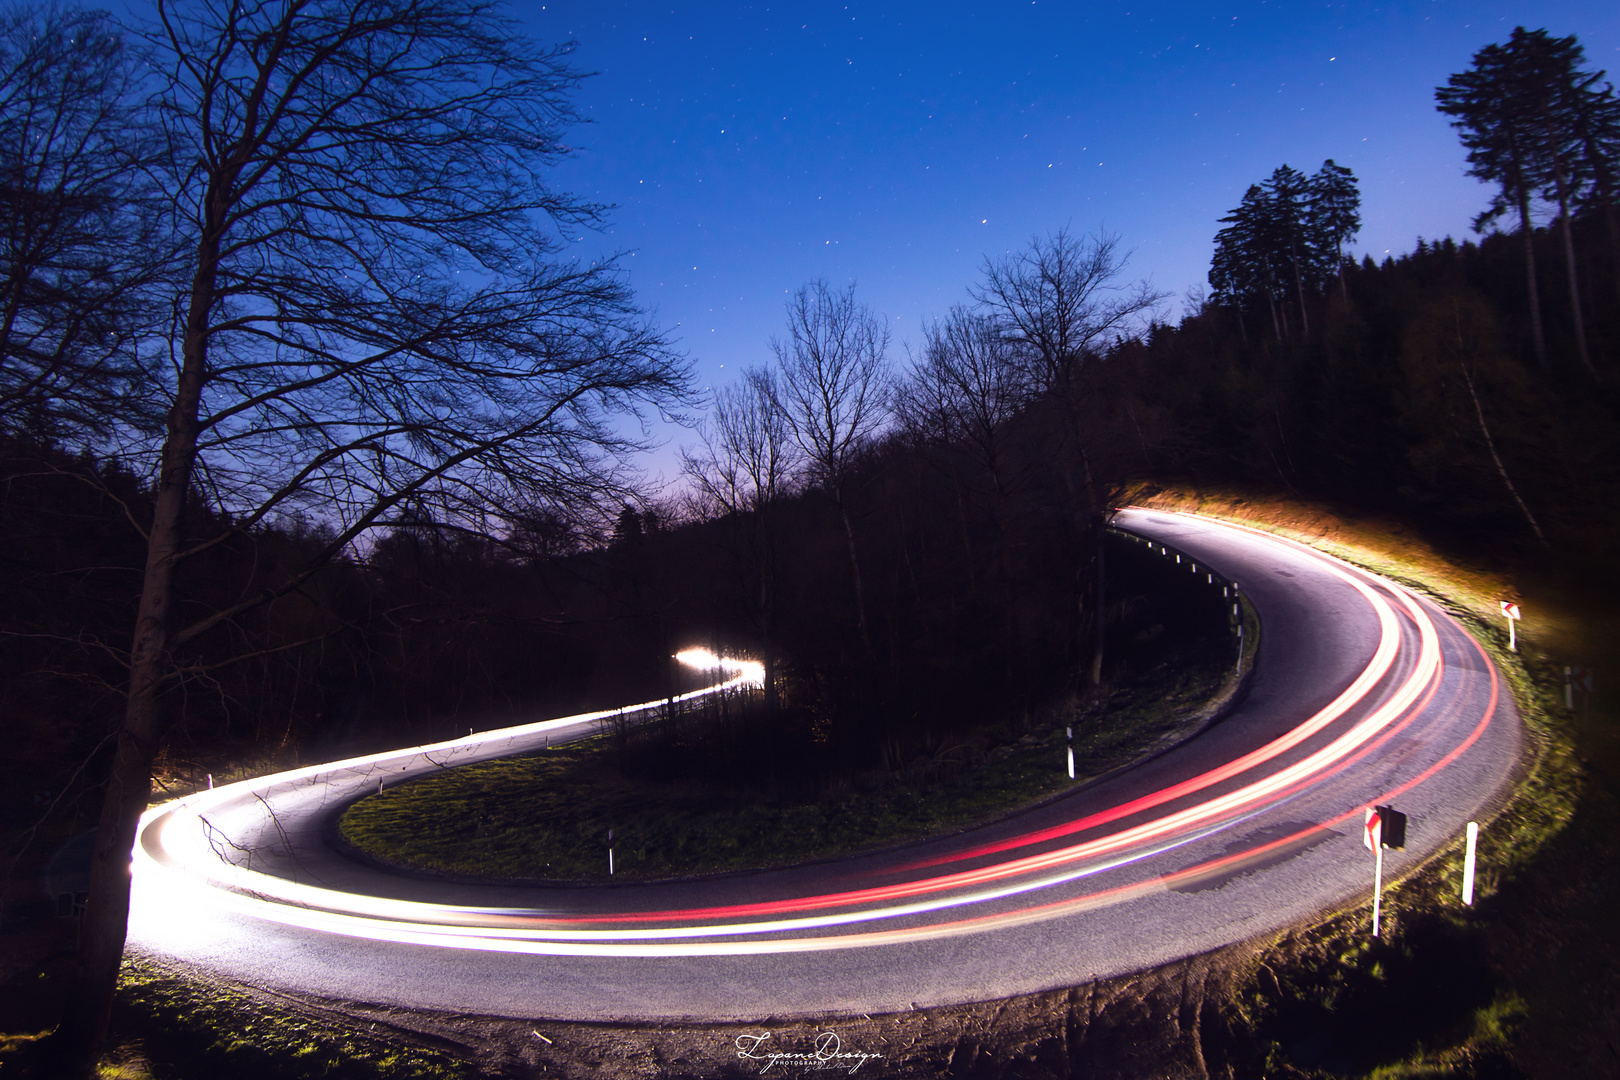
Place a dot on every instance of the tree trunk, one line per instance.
(1611, 223)
(1501, 470)
(1490, 443)
(1095, 516)
(106, 919)
(1004, 533)
(766, 600)
(1569, 266)
(1101, 605)
(855, 568)
(1527, 231)
(1299, 288)
(962, 520)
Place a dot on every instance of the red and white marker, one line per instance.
(1374, 839)
(1510, 611)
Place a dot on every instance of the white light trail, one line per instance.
(177, 864)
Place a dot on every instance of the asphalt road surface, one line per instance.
(1362, 694)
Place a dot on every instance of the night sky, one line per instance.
(749, 148)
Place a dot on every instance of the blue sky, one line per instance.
(750, 148)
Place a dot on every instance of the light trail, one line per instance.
(179, 862)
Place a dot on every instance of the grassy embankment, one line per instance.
(1517, 984)
(547, 815)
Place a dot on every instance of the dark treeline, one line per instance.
(1421, 394)
(431, 633)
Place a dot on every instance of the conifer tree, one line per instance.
(1335, 214)
(1288, 194)
(1287, 235)
(1242, 270)
(1597, 130)
(1519, 110)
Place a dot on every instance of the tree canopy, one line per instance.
(1285, 240)
(1538, 126)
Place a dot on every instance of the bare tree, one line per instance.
(834, 391)
(371, 328)
(76, 249)
(964, 390)
(743, 471)
(1062, 301)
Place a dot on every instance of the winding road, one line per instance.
(1362, 693)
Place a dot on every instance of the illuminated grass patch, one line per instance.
(547, 815)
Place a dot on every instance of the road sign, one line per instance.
(1374, 839)
(1393, 828)
(1511, 610)
(1386, 828)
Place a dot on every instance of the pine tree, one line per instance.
(1287, 235)
(1288, 193)
(1597, 130)
(1519, 110)
(1335, 214)
(1242, 272)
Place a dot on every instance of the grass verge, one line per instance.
(1437, 996)
(165, 1021)
(547, 815)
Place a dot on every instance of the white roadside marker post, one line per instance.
(1237, 614)
(610, 853)
(1468, 863)
(1374, 839)
(1070, 730)
(1510, 611)
(1386, 827)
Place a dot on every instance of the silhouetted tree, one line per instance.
(1288, 199)
(743, 472)
(1287, 235)
(371, 326)
(834, 389)
(1519, 109)
(78, 239)
(1060, 302)
(1243, 267)
(1597, 130)
(1335, 211)
(965, 390)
